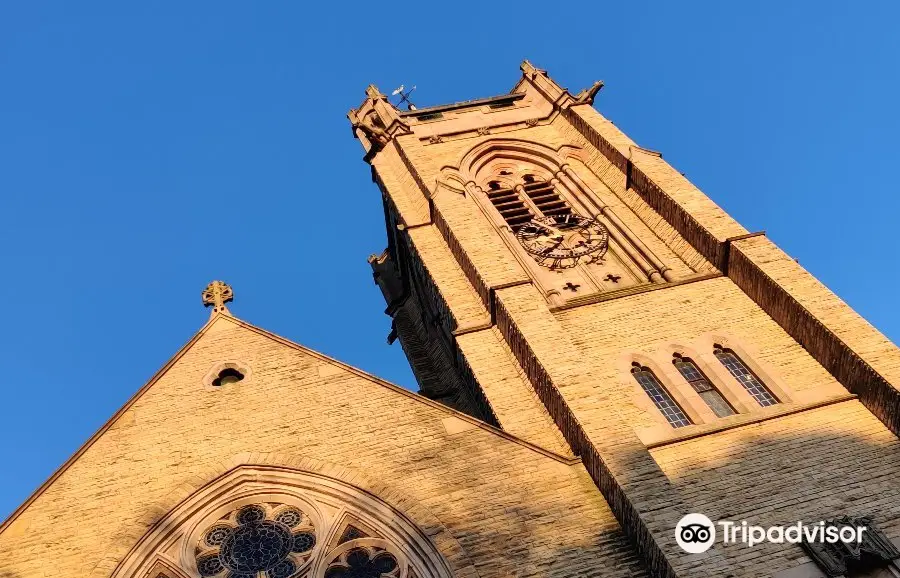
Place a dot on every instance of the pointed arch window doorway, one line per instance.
(272, 523)
(524, 199)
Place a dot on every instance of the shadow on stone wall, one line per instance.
(829, 462)
(815, 465)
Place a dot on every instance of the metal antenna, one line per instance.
(404, 97)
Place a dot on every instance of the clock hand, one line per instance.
(556, 240)
(546, 250)
(556, 233)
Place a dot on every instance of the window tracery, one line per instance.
(274, 521)
(544, 223)
(274, 540)
(363, 562)
(565, 235)
(268, 538)
(351, 532)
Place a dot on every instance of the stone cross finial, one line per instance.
(216, 295)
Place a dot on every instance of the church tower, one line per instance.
(601, 351)
(547, 275)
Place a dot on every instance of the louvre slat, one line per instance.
(514, 210)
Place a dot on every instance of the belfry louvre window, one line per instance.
(702, 386)
(547, 201)
(509, 205)
(661, 398)
(742, 373)
(522, 203)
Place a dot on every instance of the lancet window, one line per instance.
(660, 397)
(744, 376)
(702, 385)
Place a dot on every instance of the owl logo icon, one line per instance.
(695, 533)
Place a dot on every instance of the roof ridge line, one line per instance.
(569, 460)
(109, 423)
(284, 341)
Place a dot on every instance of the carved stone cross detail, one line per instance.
(216, 295)
(571, 286)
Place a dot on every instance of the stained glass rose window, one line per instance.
(270, 538)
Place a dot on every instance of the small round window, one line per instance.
(226, 373)
(227, 376)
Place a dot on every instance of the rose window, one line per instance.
(273, 539)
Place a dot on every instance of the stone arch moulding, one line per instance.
(329, 506)
(642, 401)
(710, 368)
(242, 367)
(613, 260)
(752, 357)
(535, 154)
(163, 567)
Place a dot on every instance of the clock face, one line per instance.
(564, 241)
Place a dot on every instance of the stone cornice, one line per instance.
(753, 419)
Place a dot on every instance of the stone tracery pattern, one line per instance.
(362, 562)
(275, 540)
(273, 521)
(268, 538)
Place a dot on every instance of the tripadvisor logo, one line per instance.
(696, 533)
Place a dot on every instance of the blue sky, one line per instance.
(148, 148)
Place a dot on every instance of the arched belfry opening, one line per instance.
(562, 230)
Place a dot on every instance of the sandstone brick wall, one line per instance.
(455, 290)
(694, 215)
(659, 323)
(518, 408)
(837, 337)
(513, 510)
(393, 176)
(855, 331)
(632, 483)
(857, 354)
(809, 466)
(433, 364)
(812, 465)
(609, 181)
(793, 460)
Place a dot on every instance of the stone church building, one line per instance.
(601, 350)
